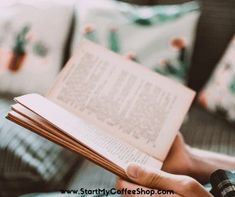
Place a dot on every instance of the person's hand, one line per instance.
(199, 164)
(183, 186)
(179, 159)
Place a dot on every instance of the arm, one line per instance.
(182, 163)
(199, 164)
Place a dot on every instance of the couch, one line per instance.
(202, 129)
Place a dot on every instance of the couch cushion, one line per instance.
(208, 131)
(28, 161)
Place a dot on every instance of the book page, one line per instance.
(109, 147)
(122, 98)
(66, 142)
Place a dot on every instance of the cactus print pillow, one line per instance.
(219, 93)
(159, 37)
(32, 41)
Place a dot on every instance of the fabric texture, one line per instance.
(218, 95)
(159, 37)
(208, 131)
(29, 162)
(88, 176)
(32, 44)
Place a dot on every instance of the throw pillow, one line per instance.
(32, 40)
(218, 95)
(159, 37)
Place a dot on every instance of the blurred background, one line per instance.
(191, 42)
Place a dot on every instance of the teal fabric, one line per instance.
(158, 14)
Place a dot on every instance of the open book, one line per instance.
(109, 109)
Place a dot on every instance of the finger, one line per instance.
(121, 184)
(182, 185)
(152, 179)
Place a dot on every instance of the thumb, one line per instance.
(157, 179)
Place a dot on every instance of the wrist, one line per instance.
(200, 169)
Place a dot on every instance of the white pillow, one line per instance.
(218, 95)
(152, 43)
(32, 40)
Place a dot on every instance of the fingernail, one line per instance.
(133, 171)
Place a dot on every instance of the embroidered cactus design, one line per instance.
(232, 85)
(40, 49)
(177, 67)
(19, 50)
(179, 44)
(90, 33)
(113, 40)
(160, 71)
(132, 56)
(21, 41)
